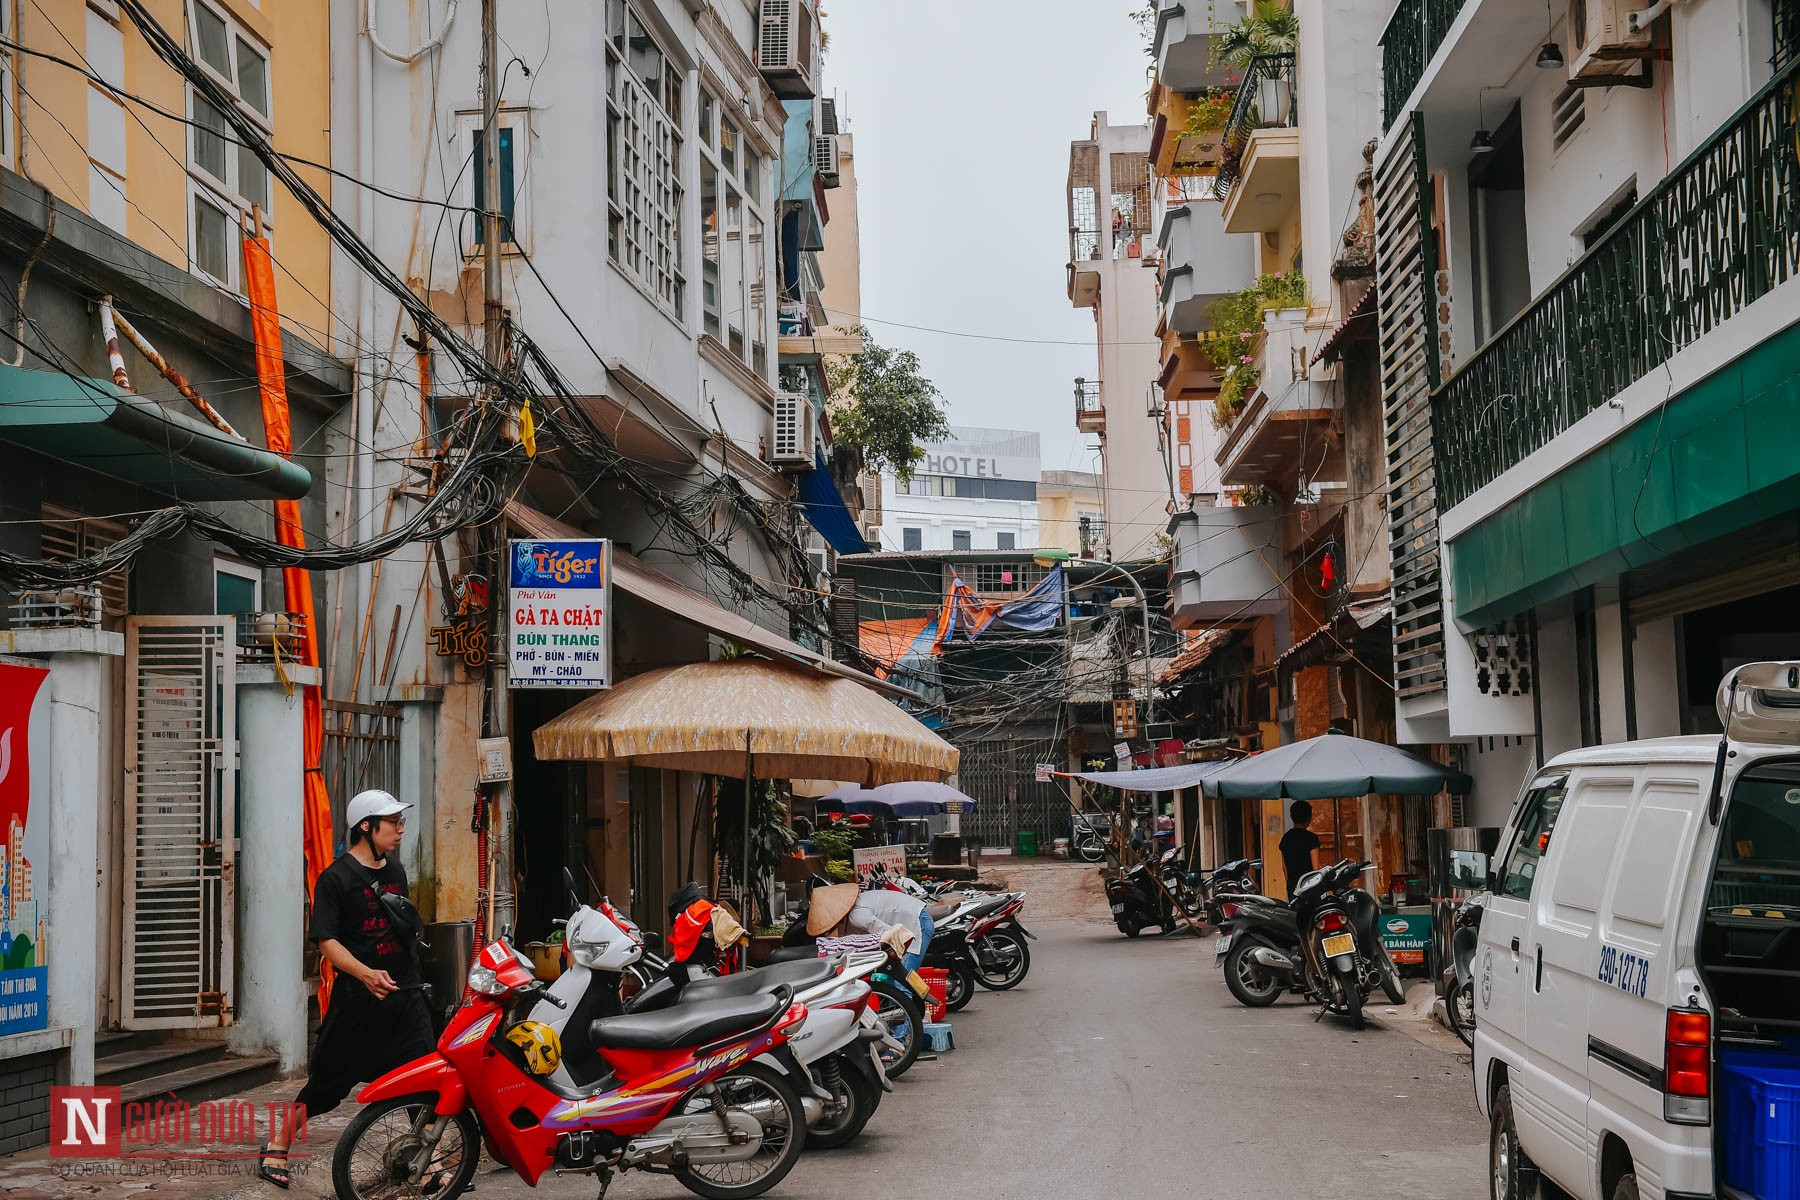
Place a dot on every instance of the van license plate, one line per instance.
(1342, 944)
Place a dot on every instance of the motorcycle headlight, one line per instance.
(484, 981)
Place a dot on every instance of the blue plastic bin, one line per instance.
(1761, 1094)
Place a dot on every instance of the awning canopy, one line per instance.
(1336, 638)
(1194, 653)
(1158, 779)
(634, 575)
(723, 717)
(1333, 765)
(92, 424)
(824, 506)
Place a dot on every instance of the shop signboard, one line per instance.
(869, 859)
(1406, 935)
(25, 855)
(559, 614)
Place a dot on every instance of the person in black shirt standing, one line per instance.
(1297, 844)
(378, 1018)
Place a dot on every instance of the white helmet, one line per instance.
(372, 803)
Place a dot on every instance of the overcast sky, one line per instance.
(963, 112)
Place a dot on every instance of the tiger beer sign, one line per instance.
(559, 614)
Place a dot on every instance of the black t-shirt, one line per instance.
(1297, 846)
(348, 909)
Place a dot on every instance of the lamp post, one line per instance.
(1051, 557)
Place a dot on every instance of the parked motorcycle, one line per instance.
(1089, 836)
(1230, 879)
(1138, 902)
(1259, 950)
(686, 1095)
(1340, 943)
(982, 942)
(1459, 1002)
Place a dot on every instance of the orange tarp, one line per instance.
(271, 374)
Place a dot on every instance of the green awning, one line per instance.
(92, 424)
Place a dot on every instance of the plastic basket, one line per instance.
(938, 981)
(1761, 1102)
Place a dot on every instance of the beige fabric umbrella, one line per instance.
(705, 716)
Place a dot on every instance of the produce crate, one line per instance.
(1761, 1095)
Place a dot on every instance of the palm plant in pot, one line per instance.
(1269, 30)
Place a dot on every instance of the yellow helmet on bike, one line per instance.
(538, 1043)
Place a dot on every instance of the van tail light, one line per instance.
(1687, 1067)
(1332, 921)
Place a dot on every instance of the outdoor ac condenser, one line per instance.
(791, 449)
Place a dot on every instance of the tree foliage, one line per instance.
(882, 404)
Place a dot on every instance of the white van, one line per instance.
(1641, 943)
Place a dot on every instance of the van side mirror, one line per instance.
(1471, 869)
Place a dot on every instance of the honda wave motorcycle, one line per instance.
(685, 1094)
(1340, 944)
(981, 942)
(1459, 1001)
(1227, 880)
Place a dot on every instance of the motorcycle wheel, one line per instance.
(781, 1144)
(1391, 983)
(1250, 985)
(904, 1017)
(1347, 999)
(375, 1154)
(960, 988)
(1007, 960)
(1091, 851)
(1459, 1006)
(859, 1098)
(1127, 928)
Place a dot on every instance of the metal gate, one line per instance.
(362, 751)
(180, 820)
(1002, 776)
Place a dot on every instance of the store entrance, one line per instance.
(551, 817)
(1715, 640)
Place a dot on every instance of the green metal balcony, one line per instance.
(1717, 233)
(1412, 36)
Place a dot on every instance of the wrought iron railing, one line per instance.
(1787, 32)
(1717, 233)
(1412, 36)
(1267, 98)
(1087, 399)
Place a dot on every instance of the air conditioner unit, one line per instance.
(792, 447)
(787, 47)
(1602, 44)
(826, 159)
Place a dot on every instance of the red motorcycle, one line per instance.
(683, 1097)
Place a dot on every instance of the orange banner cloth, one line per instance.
(271, 374)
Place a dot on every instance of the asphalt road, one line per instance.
(1124, 1068)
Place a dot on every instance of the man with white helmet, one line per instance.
(365, 926)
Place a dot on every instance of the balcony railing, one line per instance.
(1786, 14)
(1713, 236)
(1267, 98)
(1412, 36)
(1087, 399)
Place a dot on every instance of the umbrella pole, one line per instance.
(749, 778)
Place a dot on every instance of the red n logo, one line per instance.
(84, 1122)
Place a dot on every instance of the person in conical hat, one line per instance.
(829, 906)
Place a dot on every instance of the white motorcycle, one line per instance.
(837, 1045)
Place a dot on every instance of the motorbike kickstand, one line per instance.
(606, 1177)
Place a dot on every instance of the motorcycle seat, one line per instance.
(788, 954)
(685, 1024)
(799, 974)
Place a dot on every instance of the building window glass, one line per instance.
(226, 178)
(237, 587)
(959, 539)
(1003, 541)
(912, 539)
(643, 143)
(734, 239)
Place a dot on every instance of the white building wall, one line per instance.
(1338, 79)
(1656, 672)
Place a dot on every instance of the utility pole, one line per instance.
(500, 874)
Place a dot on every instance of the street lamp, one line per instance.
(1053, 557)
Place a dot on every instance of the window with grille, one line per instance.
(66, 535)
(226, 179)
(1787, 32)
(733, 246)
(1568, 113)
(643, 149)
(988, 578)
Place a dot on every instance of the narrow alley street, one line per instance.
(1118, 1068)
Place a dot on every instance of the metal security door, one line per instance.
(180, 821)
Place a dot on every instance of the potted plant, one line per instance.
(1271, 29)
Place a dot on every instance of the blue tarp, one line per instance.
(824, 506)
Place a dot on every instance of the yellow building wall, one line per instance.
(1059, 516)
(50, 133)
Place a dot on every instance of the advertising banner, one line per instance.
(559, 614)
(868, 859)
(24, 856)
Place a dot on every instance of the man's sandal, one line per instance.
(265, 1169)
